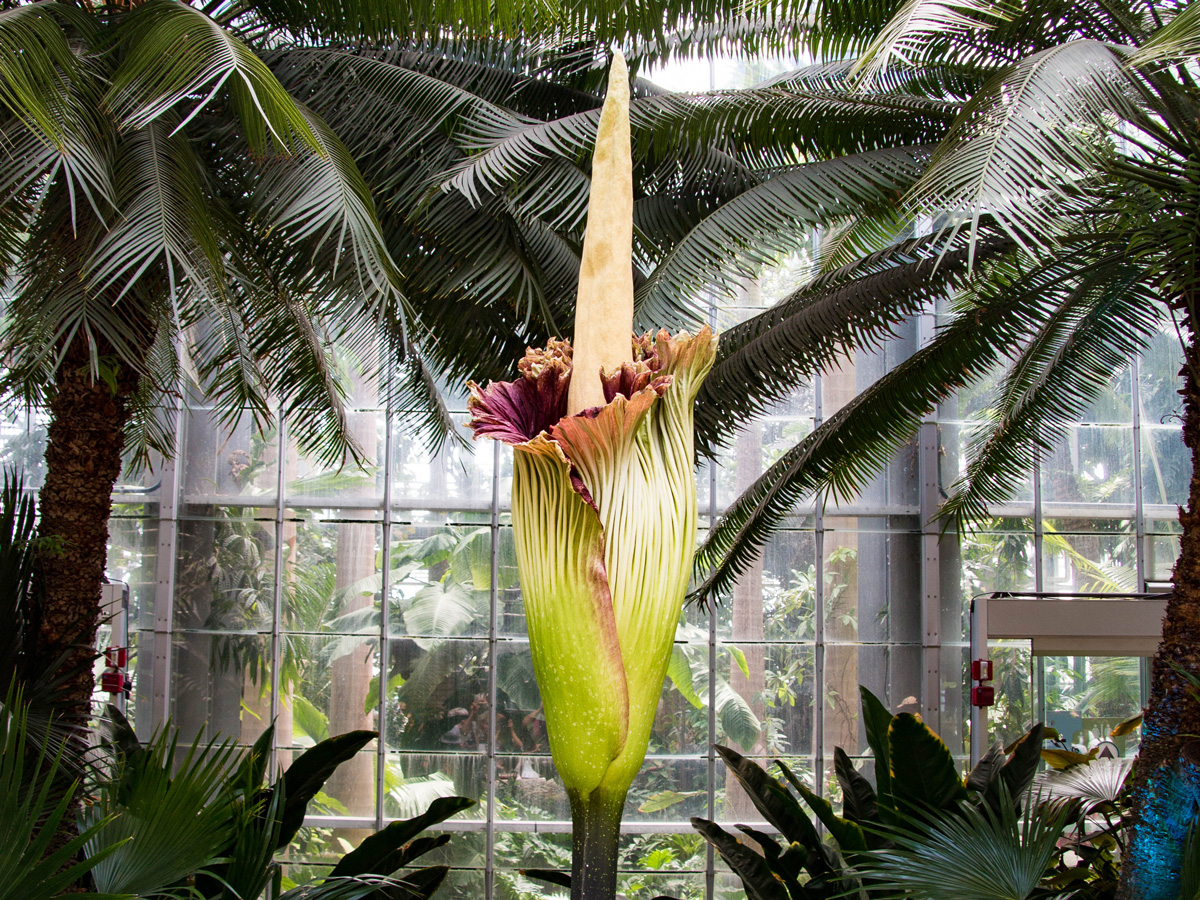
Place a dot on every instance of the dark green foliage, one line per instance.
(1066, 170)
(859, 802)
(206, 817)
(756, 870)
(22, 668)
(309, 772)
(920, 785)
(397, 845)
(923, 771)
(31, 810)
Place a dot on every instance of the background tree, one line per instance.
(1062, 197)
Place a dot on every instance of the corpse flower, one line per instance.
(604, 511)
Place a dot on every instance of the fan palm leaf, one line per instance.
(982, 853)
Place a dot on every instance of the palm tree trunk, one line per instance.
(83, 461)
(1172, 717)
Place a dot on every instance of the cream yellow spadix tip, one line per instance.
(604, 307)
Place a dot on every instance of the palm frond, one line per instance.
(168, 810)
(54, 304)
(32, 811)
(1104, 318)
(769, 355)
(1022, 145)
(165, 216)
(1178, 39)
(371, 101)
(319, 201)
(414, 391)
(151, 426)
(849, 448)
(1097, 782)
(225, 363)
(294, 349)
(655, 22)
(904, 40)
(49, 91)
(986, 854)
(741, 235)
(502, 146)
(176, 52)
(37, 66)
(859, 236)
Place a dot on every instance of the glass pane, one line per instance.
(221, 465)
(1089, 555)
(225, 572)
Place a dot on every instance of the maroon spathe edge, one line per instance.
(518, 411)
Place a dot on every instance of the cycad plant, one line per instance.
(216, 192)
(167, 205)
(1055, 203)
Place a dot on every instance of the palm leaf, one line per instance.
(763, 221)
(413, 389)
(1022, 144)
(320, 201)
(165, 216)
(1096, 782)
(379, 100)
(168, 809)
(906, 38)
(771, 354)
(1105, 318)
(978, 854)
(32, 811)
(860, 438)
(1177, 39)
(176, 52)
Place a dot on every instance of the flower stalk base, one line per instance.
(595, 840)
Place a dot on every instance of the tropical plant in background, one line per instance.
(604, 511)
(916, 794)
(163, 819)
(1056, 199)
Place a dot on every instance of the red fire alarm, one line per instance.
(116, 657)
(114, 682)
(981, 669)
(983, 695)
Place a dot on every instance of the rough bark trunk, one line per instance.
(83, 461)
(1172, 717)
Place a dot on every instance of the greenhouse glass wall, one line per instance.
(264, 587)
